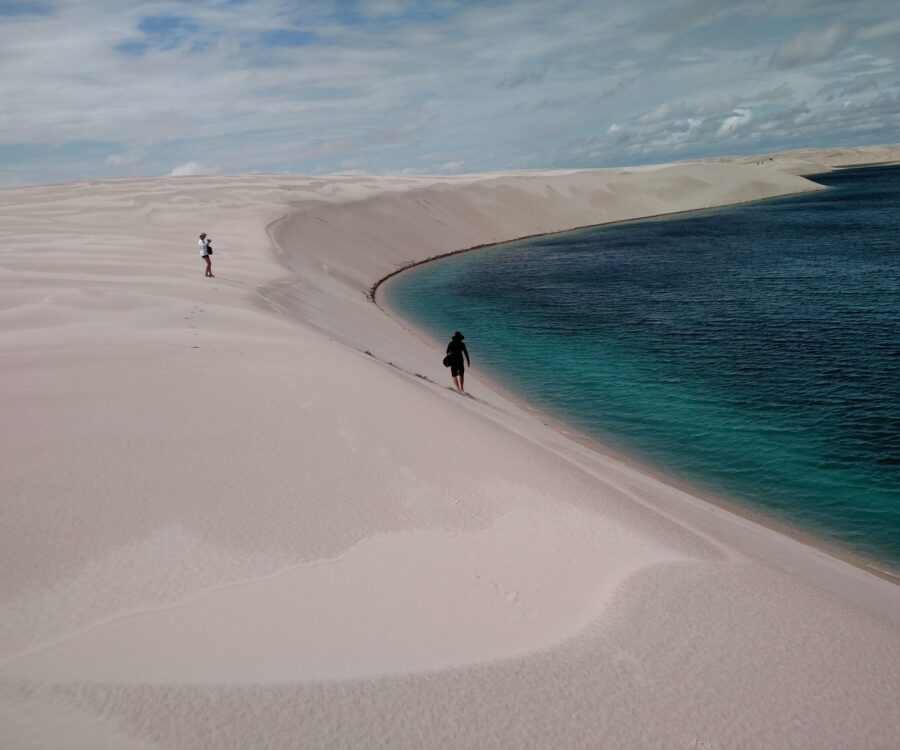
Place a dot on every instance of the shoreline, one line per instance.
(781, 526)
(373, 289)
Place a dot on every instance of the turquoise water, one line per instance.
(752, 351)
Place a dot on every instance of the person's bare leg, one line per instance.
(456, 382)
(462, 380)
(209, 272)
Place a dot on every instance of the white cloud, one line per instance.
(778, 92)
(841, 89)
(190, 168)
(353, 164)
(450, 167)
(100, 88)
(889, 28)
(681, 110)
(811, 46)
(739, 119)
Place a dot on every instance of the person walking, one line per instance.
(455, 351)
(205, 252)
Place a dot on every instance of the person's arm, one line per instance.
(466, 352)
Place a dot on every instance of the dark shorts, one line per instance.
(457, 369)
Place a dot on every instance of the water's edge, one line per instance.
(569, 431)
(373, 290)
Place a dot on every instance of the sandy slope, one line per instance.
(247, 512)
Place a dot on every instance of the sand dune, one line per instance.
(248, 512)
(807, 161)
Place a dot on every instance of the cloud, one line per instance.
(671, 16)
(523, 78)
(682, 110)
(116, 87)
(287, 37)
(841, 89)
(450, 167)
(189, 169)
(118, 160)
(739, 119)
(620, 85)
(617, 135)
(779, 92)
(24, 8)
(890, 28)
(811, 46)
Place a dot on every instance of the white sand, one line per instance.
(225, 525)
(807, 161)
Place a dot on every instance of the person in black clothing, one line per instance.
(455, 349)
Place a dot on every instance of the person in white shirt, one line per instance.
(205, 252)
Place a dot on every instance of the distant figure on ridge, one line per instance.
(205, 252)
(455, 350)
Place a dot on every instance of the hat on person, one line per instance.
(202, 234)
(458, 335)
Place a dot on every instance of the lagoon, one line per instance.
(751, 351)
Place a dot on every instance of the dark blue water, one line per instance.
(752, 351)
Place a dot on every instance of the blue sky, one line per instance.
(113, 88)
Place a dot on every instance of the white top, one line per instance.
(204, 248)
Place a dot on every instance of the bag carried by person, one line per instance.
(448, 360)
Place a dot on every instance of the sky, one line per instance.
(97, 89)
